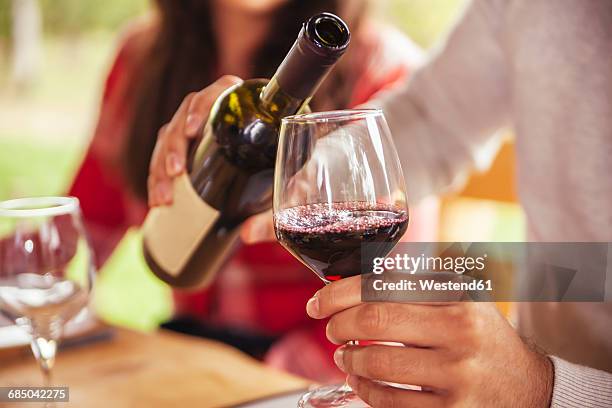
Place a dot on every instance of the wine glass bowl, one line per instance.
(46, 269)
(328, 237)
(339, 201)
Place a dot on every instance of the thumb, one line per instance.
(259, 228)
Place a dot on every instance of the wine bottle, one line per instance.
(231, 167)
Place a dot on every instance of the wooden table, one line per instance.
(163, 369)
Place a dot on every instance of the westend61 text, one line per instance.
(433, 285)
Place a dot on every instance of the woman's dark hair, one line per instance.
(181, 60)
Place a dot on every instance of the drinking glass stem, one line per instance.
(44, 350)
(45, 336)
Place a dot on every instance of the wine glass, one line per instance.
(46, 269)
(338, 191)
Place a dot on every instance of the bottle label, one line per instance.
(172, 233)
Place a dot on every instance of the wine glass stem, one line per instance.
(47, 376)
(48, 381)
(44, 350)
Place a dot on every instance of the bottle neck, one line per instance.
(280, 103)
(319, 45)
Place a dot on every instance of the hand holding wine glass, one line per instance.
(46, 269)
(463, 354)
(338, 187)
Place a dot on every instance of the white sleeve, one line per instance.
(445, 117)
(577, 386)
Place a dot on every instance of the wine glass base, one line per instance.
(331, 396)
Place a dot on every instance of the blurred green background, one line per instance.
(45, 127)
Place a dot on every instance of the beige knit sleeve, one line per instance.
(578, 386)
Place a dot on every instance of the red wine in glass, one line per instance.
(329, 237)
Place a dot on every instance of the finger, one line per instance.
(174, 146)
(157, 195)
(397, 364)
(159, 191)
(411, 324)
(259, 228)
(156, 165)
(151, 195)
(385, 396)
(201, 104)
(335, 297)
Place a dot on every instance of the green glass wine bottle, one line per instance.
(231, 168)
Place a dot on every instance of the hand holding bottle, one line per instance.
(230, 166)
(170, 153)
(169, 156)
